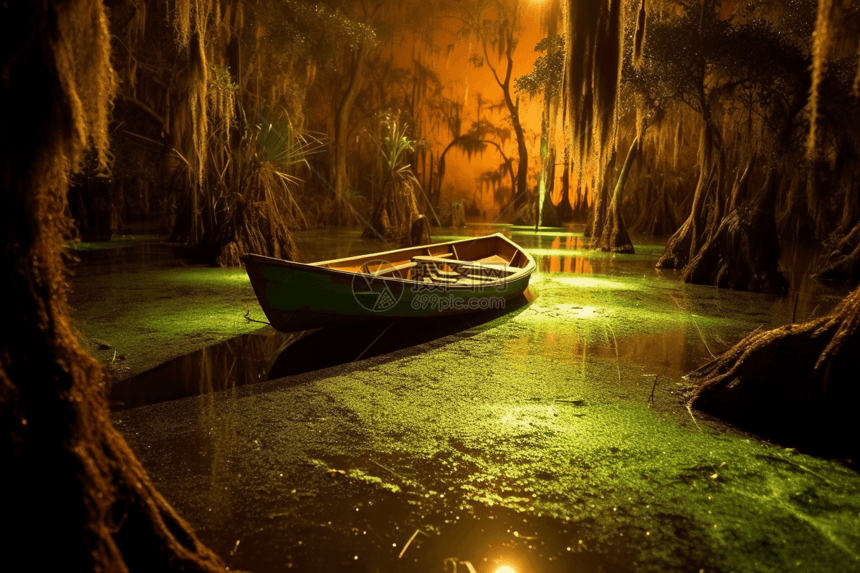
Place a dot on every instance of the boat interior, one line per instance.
(469, 262)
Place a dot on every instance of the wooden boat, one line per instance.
(451, 278)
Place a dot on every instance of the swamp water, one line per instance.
(551, 437)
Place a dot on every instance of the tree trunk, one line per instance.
(684, 244)
(440, 175)
(519, 191)
(523, 162)
(564, 209)
(549, 212)
(420, 233)
(614, 236)
(843, 258)
(597, 216)
(341, 131)
(660, 219)
(743, 253)
(73, 488)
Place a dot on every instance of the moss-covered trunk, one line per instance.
(600, 202)
(73, 489)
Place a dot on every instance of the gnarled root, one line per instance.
(796, 384)
(843, 258)
(677, 253)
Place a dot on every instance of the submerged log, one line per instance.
(796, 384)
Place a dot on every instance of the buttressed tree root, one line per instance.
(743, 253)
(796, 384)
(72, 487)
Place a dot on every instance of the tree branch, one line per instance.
(144, 108)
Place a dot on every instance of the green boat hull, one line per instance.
(297, 296)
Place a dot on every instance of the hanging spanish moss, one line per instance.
(592, 77)
(830, 12)
(639, 34)
(148, 141)
(795, 384)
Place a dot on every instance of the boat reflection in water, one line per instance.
(267, 354)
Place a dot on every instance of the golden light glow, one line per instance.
(506, 569)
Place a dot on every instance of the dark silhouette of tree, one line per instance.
(592, 66)
(195, 95)
(496, 26)
(351, 76)
(72, 484)
(546, 79)
(746, 82)
(795, 384)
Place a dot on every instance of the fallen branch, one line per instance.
(654, 387)
(389, 470)
(249, 319)
(690, 410)
(411, 539)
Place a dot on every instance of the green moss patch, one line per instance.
(121, 242)
(136, 320)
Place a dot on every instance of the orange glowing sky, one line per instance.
(465, 82)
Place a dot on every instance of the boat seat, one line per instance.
(434, 279)
(468, 265)
(493, 260)
(448, 274)
(434, 258)
(387, 270)
(480, 278)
